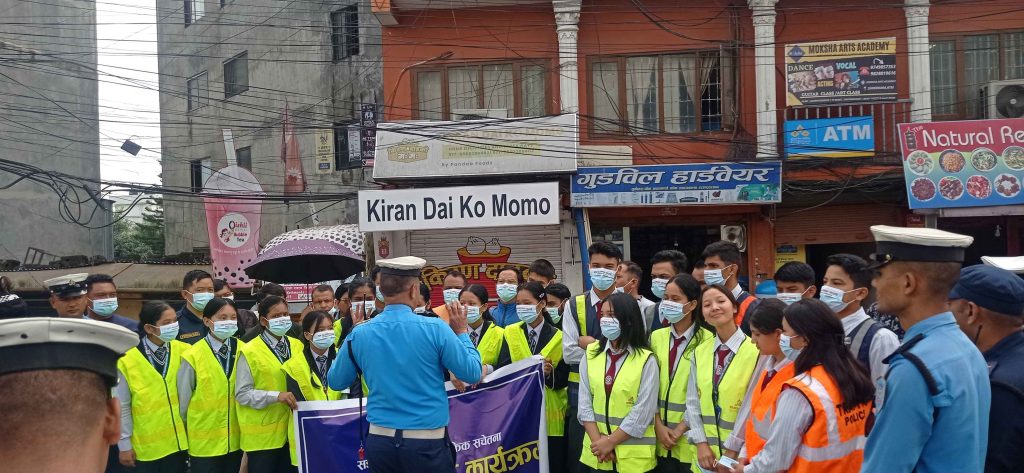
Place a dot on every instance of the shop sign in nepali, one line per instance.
(963, 164)
(511, 437)
(841, 72)
(678, 184)
(849, 137)
(431, 208)
(476, 147)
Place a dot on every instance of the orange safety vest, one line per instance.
(835, 440)
(741, 313)
(762, 408)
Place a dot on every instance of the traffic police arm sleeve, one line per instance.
(693, 418)
(884, 344)
(904, 424)
(186, 385)
(245, 392)
(793, 417)
(571, 351)
(459, 356)
(124, 395)
(642, 413)
(343, 371)
(585, 409)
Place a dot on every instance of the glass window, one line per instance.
(498, 90)
(429, 105)
(981, 65)
(605, 80)
(1014, 56)
(942, 55)
(199, 172)
(244, 157)
(194, 10)
(642, 94)
(517, 89)
(345, 32)
(236, 75)
(197, 91)
(533, 91)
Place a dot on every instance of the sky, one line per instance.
(129, 109)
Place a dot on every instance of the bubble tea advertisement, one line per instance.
(963, 163)
(233, 223)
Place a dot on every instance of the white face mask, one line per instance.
(323, 339)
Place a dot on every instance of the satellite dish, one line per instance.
(1010, 101)
(736, 234)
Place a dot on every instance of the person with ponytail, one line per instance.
(306, 373)
(153, 435)
(485, 334)
(822, 414)
(619, 392)
(206, 387)
(674, 345)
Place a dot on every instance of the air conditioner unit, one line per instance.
(1004, 98)
(736, 234)
(460, 114)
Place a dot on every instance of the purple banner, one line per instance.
(499, 426)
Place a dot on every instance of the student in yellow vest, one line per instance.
(152, 434)
(483, 332)
(206, 387)
(264, 403)
(720, 375)
(675, 346)
(307, 371)
(361, 303)
(555, 295)
(619, 392)
(822, 413)
(534, 335)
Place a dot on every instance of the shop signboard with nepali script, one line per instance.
(511, 437)
(977, 163)
(678, 184)
(841, 72)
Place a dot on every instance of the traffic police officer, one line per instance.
(408, 406)
(988, 303)
(937, 394)
(67, 295)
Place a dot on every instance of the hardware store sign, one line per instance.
(679, 184)
(841, 72)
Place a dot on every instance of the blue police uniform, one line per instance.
(191, 328)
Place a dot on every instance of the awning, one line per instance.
(129, 277)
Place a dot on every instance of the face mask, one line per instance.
(714, 276)
(200, 299)
(104, 307)
(223, 329)
(506, 291)
(420, 310)
(554, 314)
(789, 297)
(602, 278)
(323, 339)
(380, 296)
(229, 297)
(672, 311)
(610, 328)
(168, 332)
(833, 298)
(619, 290)
(472, 314)
(451, 295)
(359, 308)
(527, 313)
(279, 326)
(658, 287)
(333, 311)
(787, 350)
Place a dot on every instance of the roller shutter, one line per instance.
(833, 223)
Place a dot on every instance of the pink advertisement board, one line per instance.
(233, 223)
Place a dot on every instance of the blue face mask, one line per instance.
(602, 278)
(610, 328)
(104, 307)
(506, 291)
(787, 350)
(323, 339)
(833, 298)
(200, 299)
(168, 332)
(380, 297)
(673, 311)
(223, 329)
(715, 276)
(658, 287)
(279, 326)
(526, 313)
(472, 314)
(451, 295)
(555, 315)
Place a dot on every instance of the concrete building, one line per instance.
(225, 66)
(49, 119)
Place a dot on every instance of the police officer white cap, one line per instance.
(49, 343)
(924, 245)
(70, 285)
(402, 266)
(1014, 264)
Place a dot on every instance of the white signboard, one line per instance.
(458, 207)
(476, 147)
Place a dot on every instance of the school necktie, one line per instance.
(321, 363)
(533, 340)
(609, 377)
(473, 336)
(767, 378)
(281, 348)
(224, 351)
(720, 356)
(160, 354)
(674, 353)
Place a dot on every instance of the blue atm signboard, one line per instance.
(847, 137)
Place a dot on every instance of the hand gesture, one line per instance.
(459, 385)
(457, 318)
(603, 449)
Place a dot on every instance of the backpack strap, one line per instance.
(860, 341)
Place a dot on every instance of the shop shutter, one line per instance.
(833, 224)
(481, 252)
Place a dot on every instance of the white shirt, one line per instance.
(245, 392)
(571, 351)
(736, 291)
(686, 336)
(793, 416)
(883, 345)
(642, 414)
(645, 305)
(479, 333)
(693, 412)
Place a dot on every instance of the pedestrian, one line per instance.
(222, 289)
(306, 372)
(378, 302)
(821, 415)
(542, 271)
(153, 435)
(486, 335)
(556, 295)
(206, 387)
(102, 295)
(67, 295)
(279, 305)
(846, 285)
(342, 304)
(533, 335)
(264, 403)
(720, 375)
(362, 307)
(248, 319)
(627, 279)
(580, 328)
(988, 303)
(407, 407)
(722, 267)
(453, 284)
(197, 290)
(795, 280)
(55, 390)
(698, 273)
(322, 298)
(674, 345)
(507, 285)
(937, 392)
(665, 265)
(618, 401)
(423, 302)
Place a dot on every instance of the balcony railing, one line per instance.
(886, 116)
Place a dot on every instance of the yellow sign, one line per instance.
(787, 253)
(324, 151)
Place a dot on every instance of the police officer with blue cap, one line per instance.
(402, 357)
(988, 303)
(937, 392)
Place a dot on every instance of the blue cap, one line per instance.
(767, 288)
(993, 288)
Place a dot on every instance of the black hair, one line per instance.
(939, 278)
(723, 290)
(270, 301)
(341, 291)
(543, 268)
(193, 276)
(509, 267)
(215, 305)
(726, 251)
(675, 257)
(425, 293)
(699, 264)
(481, 293)
(558, 290)
(456, 274)
(854, 266)
(150, 314)
(374, 271)
(358, 283)
(219, 284)
(634, 269)
(826, 345)
(605, 248)
(767, 315)
(392, 285)
(691, 289)
(535, 289)
(311, 320)
(270, 289)
(634, 331)
(796, 271)
(322, 288)
(97, 279)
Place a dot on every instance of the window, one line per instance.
(198, 91)
(194, 10)
(673, 93)
(344, 157)
(236, 75)
(962, 66)
(244, 157)
(519, 88)
(345, 32)
(199, 172)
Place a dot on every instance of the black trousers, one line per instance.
(671, 465)
(401, 455)
(176, 462)
(114, 461)
(574, 441)
(277, 460)
(228, 463)
(557, 454)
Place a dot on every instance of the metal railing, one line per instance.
(886, 116)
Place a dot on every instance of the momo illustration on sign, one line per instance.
(480, 260)
(459, 207)
(847, 137)
(678, 184)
